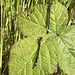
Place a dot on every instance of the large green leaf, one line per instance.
(66, 43)
(23, 56)
(58, 18)
(36, 24)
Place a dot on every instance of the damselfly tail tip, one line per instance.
(48, 31)
(35, 64)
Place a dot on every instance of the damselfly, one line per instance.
(40, 40)
(49, 7)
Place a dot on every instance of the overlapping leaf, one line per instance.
(58, 18)
(23, 56)
(36, 23)
(66, 43)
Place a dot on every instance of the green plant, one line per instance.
(10, 34)
(57, 46)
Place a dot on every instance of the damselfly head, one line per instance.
(40, 39)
